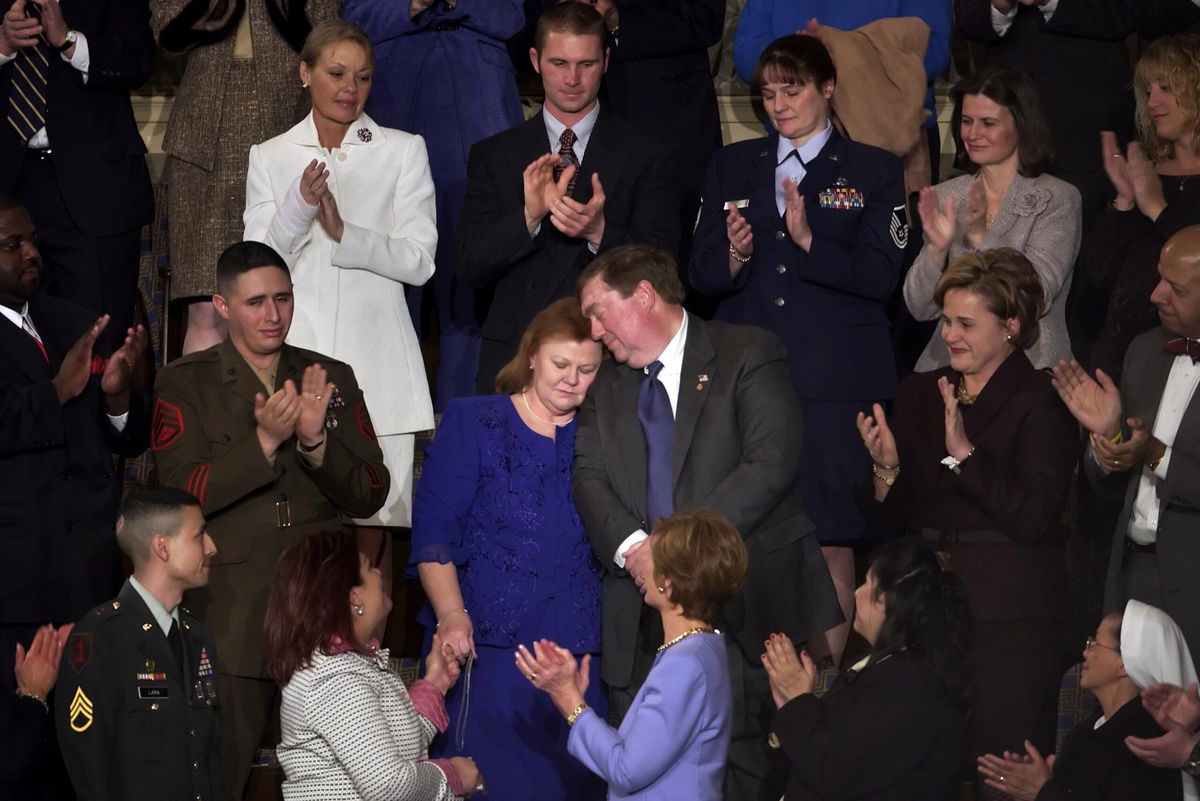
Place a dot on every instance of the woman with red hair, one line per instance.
(349, 727)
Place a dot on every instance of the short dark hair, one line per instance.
(1007, 282)
(577, 19)
(927, 612)
(1015, 91)
(705, 559)
(309, 604)
(9, 202)
(562, 318)
(148, 511)
(624, 267)
(330, 32)
(242, 257)
(797, 59)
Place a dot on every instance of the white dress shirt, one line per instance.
(668, 376)
(583, 133)
(1177, 394)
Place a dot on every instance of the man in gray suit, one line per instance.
(725, 434)
(1145, 436)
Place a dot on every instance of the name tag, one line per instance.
(154, 692)
(736, 204)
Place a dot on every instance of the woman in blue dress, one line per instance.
(502, 556)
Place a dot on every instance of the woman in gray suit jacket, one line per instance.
(1006, 200)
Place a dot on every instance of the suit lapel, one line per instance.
(238, 377)
(1158, 371)
(695, 381)
(762, 178)
(24, 353)
(1010, 375)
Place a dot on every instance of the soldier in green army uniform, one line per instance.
(276, 442)
(136, 710)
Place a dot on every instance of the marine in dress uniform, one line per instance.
(133, 722)
(205, 440)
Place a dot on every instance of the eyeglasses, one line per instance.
(1091, 643)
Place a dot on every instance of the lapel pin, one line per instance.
(703, 379)
(145, 627)
(834, 157)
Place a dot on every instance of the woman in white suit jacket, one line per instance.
(350, 205)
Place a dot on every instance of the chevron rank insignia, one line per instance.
(81, 713)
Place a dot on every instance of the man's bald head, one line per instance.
(1177, 294)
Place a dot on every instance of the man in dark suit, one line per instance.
(536, 211)
(277, 444)
(64, 410)
(722, 430)
(70, 148)
(142, 657)
(1145, 438)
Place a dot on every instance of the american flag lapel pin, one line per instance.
(702, 379)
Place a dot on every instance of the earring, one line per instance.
(662, 589)
(304, 85)
(358, 610)
(1008, 338)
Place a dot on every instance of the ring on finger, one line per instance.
(532, 677)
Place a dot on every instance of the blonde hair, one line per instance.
(1173, 61)
(329, 33)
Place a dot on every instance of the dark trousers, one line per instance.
(97, 272)
(249, 708)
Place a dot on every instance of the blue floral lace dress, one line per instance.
(495, 499)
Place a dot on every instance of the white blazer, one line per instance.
(350, 295)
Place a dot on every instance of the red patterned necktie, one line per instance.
(27, 95)
(566, 158)
(1183, 346)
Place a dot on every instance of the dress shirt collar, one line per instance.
(808, 151)
(15, 316)
(582, 129)
(161, 616)
(363, 131)
(672, 355)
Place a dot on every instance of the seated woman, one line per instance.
(1008, 200)
(349, 728)
(978, 458)
(495, 532)
(1155, 198)
(673, 741)
(892, 726)
(1094, 763)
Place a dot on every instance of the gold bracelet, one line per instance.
(877, 469)
(575, 713)
(737, 256)
(448, 614)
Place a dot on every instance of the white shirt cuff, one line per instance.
(1160, 471)
(118, 421)
(1001, 22)
(81, 59)
(630, 541)
(295, 214)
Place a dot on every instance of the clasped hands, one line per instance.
(18, 29)
(545, 196)
(288, 411)
(790, 674)
(315, 191)
(1096, 404)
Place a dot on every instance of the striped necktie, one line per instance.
(27, 97)
(566, 158)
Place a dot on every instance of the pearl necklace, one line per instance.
(685, 635)
(541, 419)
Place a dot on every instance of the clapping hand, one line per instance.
(581, 220)
(276, 417)
(1147, 187)
(1095, 403)
(553, 670)
(76, 368)
(1117, 170)
(937, 222)
(878, 438)
(790, 675)
(957, 444)
(795, 215)
(17, 30)
(1168, 703)
(975, 214)
(37, 669)
(114, 381)
(1140, 448)
(314, 182)
(741, 238)
(315, 391)
(541, 190)
(1019, 775)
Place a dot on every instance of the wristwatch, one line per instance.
(1191, 765)
(69, 42)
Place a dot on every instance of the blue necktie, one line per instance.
(658, 424)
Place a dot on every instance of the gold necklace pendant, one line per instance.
(684, 636)
(964, 397)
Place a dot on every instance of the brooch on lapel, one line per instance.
(702, 379)
(841, 196)
(364, 135)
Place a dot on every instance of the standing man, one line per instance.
(136, 711)
(1145, 438)
(66, 405)
(545, 197)
(693, 414)
(276, 442)
(70, 148)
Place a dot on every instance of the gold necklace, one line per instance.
(964, 397)
(685, 635)
(541, 419)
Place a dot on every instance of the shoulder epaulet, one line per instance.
(312, 357)
(199, 357)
